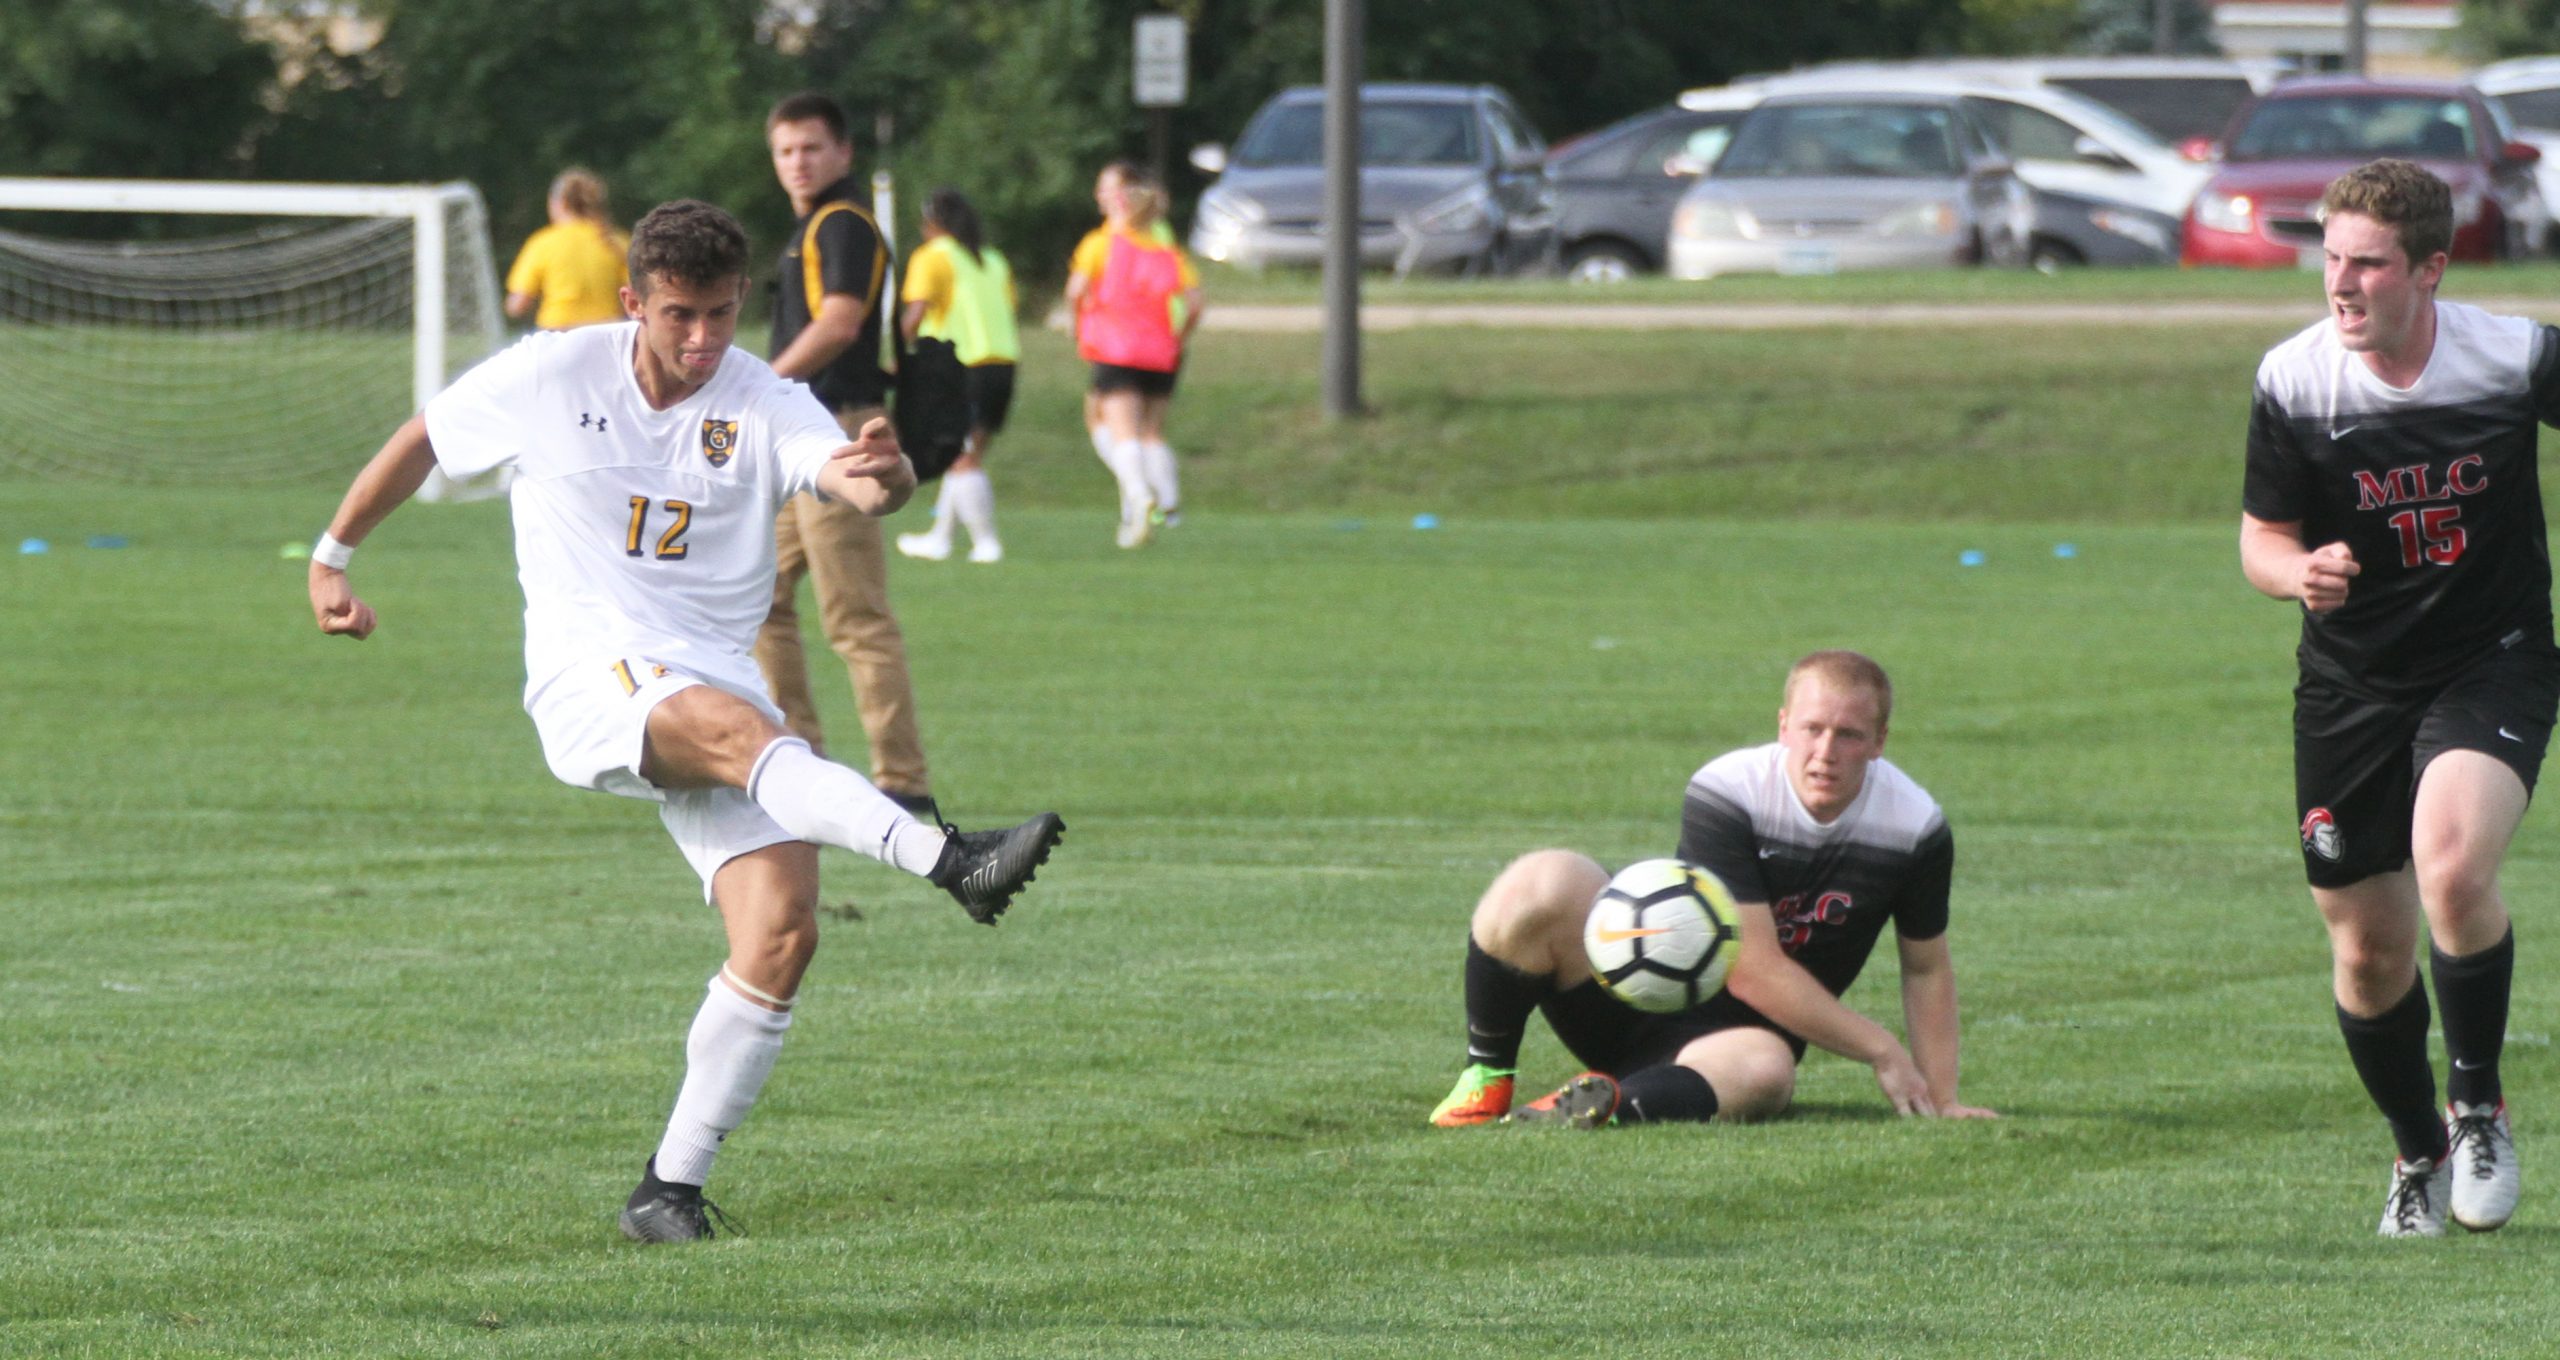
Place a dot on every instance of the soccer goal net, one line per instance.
(285, 343)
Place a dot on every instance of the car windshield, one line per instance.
(1854, 141)
(2355, 126)
(1390, 134)
(2169, 109)
(2536, 109)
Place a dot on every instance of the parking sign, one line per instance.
(1160, 75)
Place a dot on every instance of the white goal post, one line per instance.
(310, 314)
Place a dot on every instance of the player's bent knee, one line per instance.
(1537, 899)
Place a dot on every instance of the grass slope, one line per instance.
(332, 1026)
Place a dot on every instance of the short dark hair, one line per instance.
(807, 105)
(689, 242)
(2402, 195)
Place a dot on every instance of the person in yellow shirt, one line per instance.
(1136, 301)
(960, 289)
(574, 268)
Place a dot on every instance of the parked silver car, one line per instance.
(1817, 183)
(1451, 178)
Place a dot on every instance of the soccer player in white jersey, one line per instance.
(2392, 491)
(650, 459)
(1822, 842)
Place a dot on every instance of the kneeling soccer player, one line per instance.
(1821, 841)
(651, 458)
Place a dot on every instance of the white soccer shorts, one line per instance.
(593, 719)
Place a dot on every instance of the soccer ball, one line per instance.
(1661, 935)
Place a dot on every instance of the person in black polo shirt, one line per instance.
(826, 333)
(2392, 490)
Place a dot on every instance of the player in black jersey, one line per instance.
(1822, 843)
(2392, 490)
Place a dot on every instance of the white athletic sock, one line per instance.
(973, 499)
(943, 505)
(820, 801)
(1129, 465)
(726, 1059)
(1155, 460)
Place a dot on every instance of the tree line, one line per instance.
(1014, 102)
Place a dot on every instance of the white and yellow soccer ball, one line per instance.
(1661, 935)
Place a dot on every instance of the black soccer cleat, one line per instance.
(1588, 1101)
(982, 870)
(666, 1211)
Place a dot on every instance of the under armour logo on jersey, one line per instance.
(591, 422)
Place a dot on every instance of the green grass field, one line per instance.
(332, 1025)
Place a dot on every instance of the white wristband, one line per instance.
(331, 553)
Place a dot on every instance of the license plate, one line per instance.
(1808, 260)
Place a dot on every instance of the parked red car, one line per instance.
(2283, 148)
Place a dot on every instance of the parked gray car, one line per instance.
(1451, 178)
(1615, 188)
(1816, 183)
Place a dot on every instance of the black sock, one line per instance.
(2390, 1053)
(1500, 1000)
(1666, 1094)
(2471, 993)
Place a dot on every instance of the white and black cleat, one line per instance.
(2486, 1178)
(2419, 1191)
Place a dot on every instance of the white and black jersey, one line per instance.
(1832, 887)
(2434, 487)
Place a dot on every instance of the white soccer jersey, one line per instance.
(639, 533)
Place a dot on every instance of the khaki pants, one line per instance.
(839, 549)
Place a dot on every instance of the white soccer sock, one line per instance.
(726, 1059)
(822, 802)
(1129, 465)
(971, 497)
(943, 506)
(1155, 460)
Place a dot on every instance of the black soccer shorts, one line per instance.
(990, 395)
(2356, 760)
(1146, 382)
(1608, 1035)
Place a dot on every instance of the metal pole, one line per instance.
(2164, 26)
(2353, 62)
(1343, 22)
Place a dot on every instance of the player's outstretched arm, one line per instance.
(1778, 987)
(1929, 1017)
(2274, 560)
(870, 474)
(394, 475)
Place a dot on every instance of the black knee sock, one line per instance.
(2390, 1053)
(2471, 993)
(1665, 1094)
(1500, 1000)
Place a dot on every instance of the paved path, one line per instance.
(1786, 316)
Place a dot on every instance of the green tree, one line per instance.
(127, 88)
(662, 97)
(2491, 29)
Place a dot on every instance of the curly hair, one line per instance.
(2401, 195)
(688, 242)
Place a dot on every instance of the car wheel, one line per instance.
(2052, 257)
(1603, 262)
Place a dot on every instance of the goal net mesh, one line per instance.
(276, 353)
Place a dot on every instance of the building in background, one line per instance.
(2402, 37)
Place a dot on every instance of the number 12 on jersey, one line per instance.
(671, 546)
(2426, 536)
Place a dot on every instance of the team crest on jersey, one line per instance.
(719, 440)
(2320, 835)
